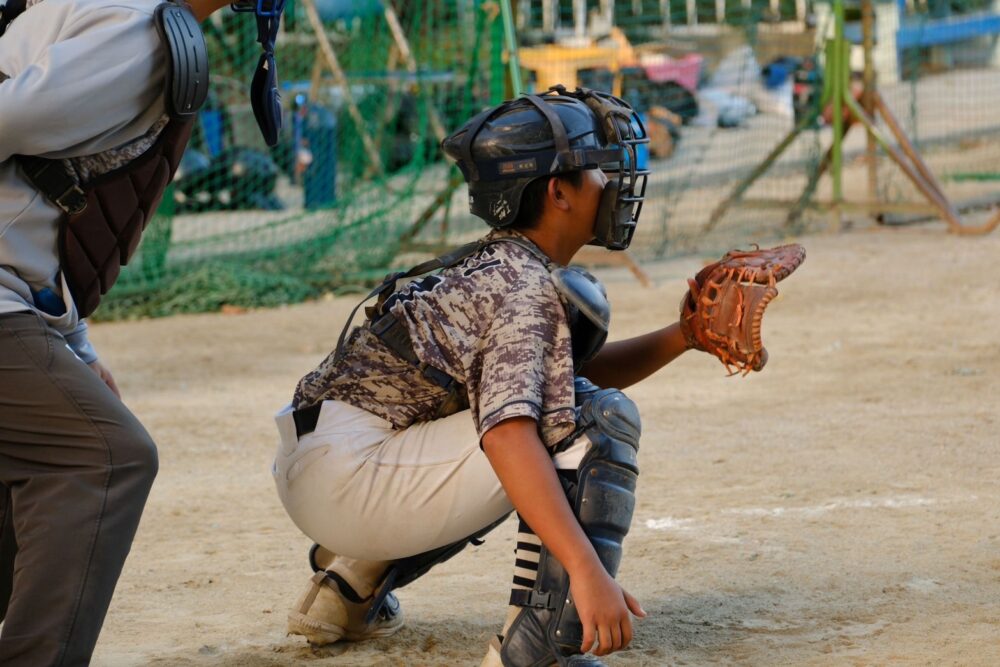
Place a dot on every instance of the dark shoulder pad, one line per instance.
(586, 293)
(186, 85)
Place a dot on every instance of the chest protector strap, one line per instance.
(104, 219)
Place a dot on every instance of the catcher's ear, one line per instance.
(556, 193)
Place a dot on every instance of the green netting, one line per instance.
(357, 183)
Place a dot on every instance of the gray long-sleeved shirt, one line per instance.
(77, 77)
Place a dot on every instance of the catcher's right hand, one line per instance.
(724, 307)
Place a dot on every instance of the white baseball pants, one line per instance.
(364, 490)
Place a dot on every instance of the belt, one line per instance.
(305, 419)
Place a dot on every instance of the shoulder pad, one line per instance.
(186, 84)
(586, 293)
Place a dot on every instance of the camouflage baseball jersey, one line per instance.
(495, 323)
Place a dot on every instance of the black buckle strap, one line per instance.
(438, 376)
(531, 598)
(52, 179)
(396, 337)
(72, 201)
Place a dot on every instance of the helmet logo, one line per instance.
(517, 166)
(500, 208)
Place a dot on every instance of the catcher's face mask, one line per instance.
(264, 96)
(621, 201)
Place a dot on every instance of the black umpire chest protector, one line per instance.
(103, 219)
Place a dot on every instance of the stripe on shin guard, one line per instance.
(525, 557)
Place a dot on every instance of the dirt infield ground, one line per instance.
(840, 508)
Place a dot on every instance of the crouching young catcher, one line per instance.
(486, 387)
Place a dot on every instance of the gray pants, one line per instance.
(75, 469)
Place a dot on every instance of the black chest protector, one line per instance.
(103, 219)
(588, 312)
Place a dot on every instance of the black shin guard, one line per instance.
(603, 497)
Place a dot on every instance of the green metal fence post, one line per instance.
(497, 75)
(511, 39)
(839, 76)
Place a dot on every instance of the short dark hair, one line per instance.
(533, 198)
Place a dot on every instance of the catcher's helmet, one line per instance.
(503, 149)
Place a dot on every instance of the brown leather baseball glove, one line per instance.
(724, 307)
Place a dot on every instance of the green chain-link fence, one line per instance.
(357, 183)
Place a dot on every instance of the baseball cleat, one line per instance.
(324, 614)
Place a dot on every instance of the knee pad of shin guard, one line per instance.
(611, 420)
(606, 479)
(603, 497)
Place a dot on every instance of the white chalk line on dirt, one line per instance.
(898, 502)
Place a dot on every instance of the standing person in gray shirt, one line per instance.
(97, 98)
